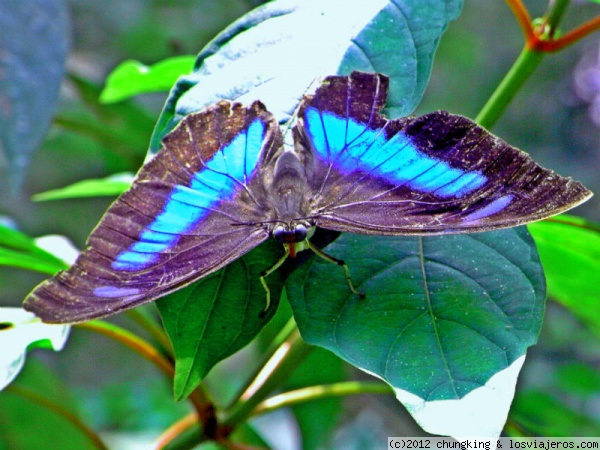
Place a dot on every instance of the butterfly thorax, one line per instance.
(289, 198)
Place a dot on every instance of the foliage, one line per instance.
(470, 272)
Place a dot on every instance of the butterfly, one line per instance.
(224, 182)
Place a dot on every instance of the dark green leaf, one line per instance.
(215, 317)
(269, 55)
(110, 186)
(441, 314)
(33, 48)
(569, 248)
(406, 53)
(131, 78)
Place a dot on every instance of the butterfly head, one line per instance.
(293, 236)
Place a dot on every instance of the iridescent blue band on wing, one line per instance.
(188, 205)
(352, 146)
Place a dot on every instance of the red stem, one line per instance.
(571, 37)
(524, 19)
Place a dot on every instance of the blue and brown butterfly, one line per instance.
(224, 182)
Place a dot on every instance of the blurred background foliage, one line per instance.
(556, 118)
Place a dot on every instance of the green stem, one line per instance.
(60, 411)
(131, 341)
(521, 70)
(198, 398)
(554, 15)
(319, 392)
(523, 67)
(286, 352)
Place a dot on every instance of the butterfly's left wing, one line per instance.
(188, 213)
(435, 174)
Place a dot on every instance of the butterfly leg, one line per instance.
(265, 273)
(340, 263)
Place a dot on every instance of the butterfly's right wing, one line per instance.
(435, 174)
(188, 213)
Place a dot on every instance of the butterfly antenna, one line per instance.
(340, 263)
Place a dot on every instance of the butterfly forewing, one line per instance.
(439, 173)
(185, 216)
(224, 179)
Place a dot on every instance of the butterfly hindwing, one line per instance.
(434, 174)
(184, 217)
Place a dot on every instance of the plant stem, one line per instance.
(131, 341)
(554, 15)
(143, 319)
(571, 37)
(58, 410)
(522, 16)
(523, 67)
(198, 398)
(526, 63)
(319, 392)
(287, 351)
(179, 432)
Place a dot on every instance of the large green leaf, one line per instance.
(275, 53)
(215, 317)
(441, 316)
(37, 412)
(33, 49)
(570, 252)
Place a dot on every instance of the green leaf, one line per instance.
(215, 317)
(578, 379)
(269, 55)
(112, 185)
(569, 248)
(38, 412)
(33, 48)
(541, 414)
(131, 78)
(19, 250)
(441, 316)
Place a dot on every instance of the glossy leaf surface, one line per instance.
(441, 315)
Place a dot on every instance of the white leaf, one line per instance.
(280, 58)
(19, 330)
